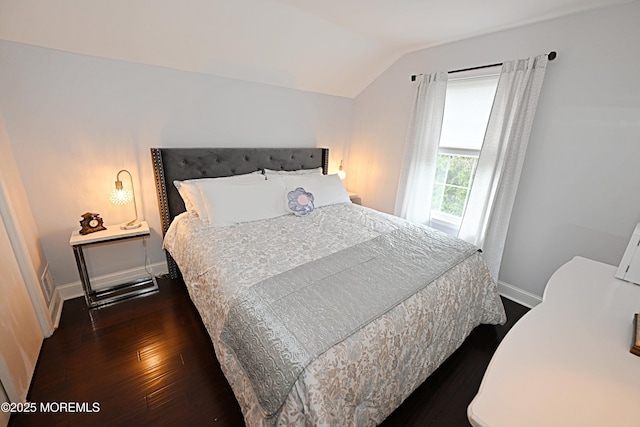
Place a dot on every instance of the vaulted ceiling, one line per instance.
(334, 47)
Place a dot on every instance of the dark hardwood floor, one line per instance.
(149, 362)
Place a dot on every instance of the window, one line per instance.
(466, 113)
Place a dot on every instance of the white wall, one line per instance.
(19, 202)
(579, 189)
(74, 121)
(23, 233)
(20, 333)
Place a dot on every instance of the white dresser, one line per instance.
(567, 361)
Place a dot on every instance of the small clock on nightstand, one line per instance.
(90, 223)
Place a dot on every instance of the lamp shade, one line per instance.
(123, 196)
(341, 172)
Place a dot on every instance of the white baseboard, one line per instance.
(518, 295)
(74, 289)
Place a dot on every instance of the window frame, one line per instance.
(442, 220)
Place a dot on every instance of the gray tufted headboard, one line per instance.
(171, 164)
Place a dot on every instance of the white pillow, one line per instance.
(295, 172)
(326, 189)
(230, 203)
(190, 192)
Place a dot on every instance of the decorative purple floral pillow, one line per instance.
(300, 202)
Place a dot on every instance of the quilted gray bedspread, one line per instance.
(363, 378)
(278, 326)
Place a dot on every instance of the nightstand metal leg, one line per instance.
(84, 275)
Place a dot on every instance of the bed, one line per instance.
(327, 317)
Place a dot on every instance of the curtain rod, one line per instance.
(551, 55)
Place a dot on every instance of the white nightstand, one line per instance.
(355, 198)
(116, 293)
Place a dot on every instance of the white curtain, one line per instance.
(486, 218)
(415, 188)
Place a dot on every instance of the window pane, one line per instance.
(442, 164)
(460, 170)
(453, 201)
(436, 199)
(450, 191)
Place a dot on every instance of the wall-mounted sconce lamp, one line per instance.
(122, 196)
(341, 172)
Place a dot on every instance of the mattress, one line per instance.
(363, 377)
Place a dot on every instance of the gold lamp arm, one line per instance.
(134, 222)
